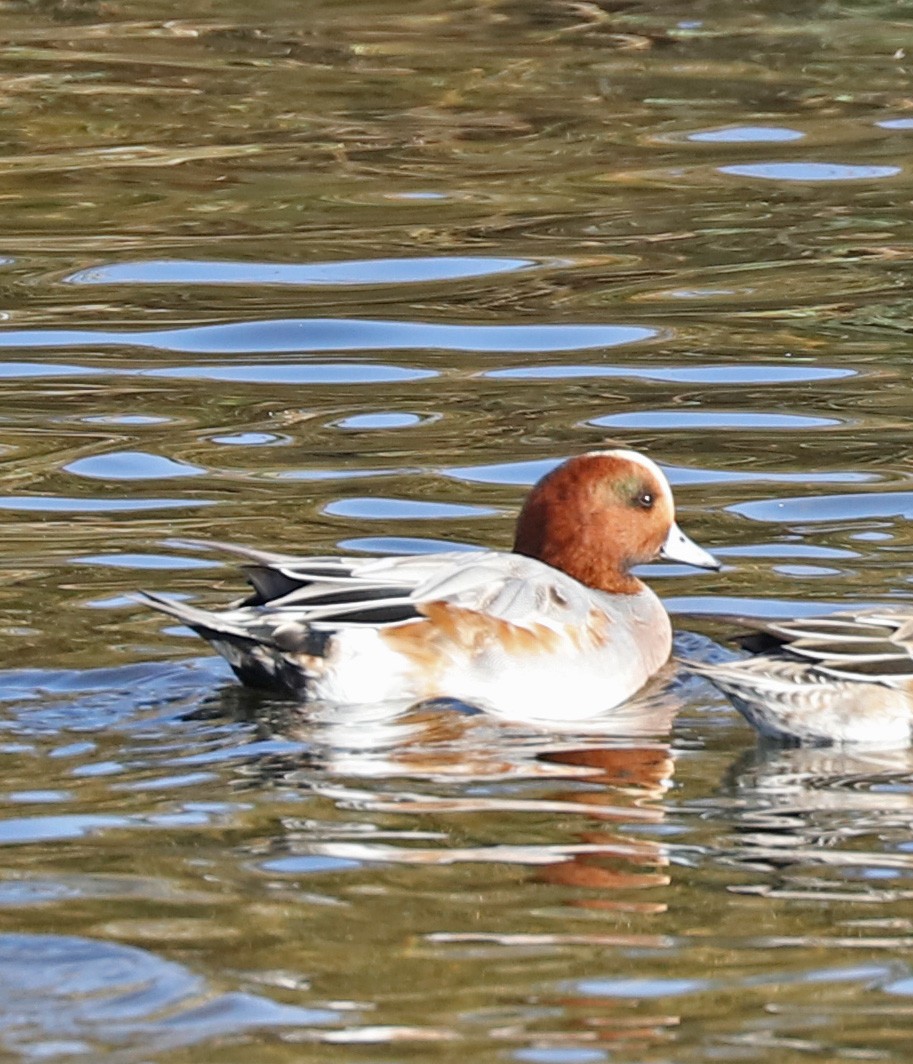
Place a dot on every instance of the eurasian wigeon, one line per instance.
(843, 678)
(557, 628)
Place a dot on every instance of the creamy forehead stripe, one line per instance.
(646, 463)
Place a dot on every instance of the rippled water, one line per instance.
(351, 277)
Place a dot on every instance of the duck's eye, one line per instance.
(645, 500)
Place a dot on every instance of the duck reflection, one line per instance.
(614, 772)
(776, 781)
(620, 862)
(627, 752)
(826, 808)
(552, 838)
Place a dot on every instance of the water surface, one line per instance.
(352, 277)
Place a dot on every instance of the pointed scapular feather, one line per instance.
(874, 650)
(399, 606)
(871, 670)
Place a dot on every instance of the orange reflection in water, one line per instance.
(642, 772)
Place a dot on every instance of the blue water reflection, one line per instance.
(810, 171)
(527, 473)
(380, 420)
(62, 504)
(334, 334)
(746, 135)
(845, 508)
(106, 994)
(721, 374)
(736, 420)
(356, 272)
(306, 373)
(378, 509)
(131, 465)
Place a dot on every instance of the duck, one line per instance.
(557, 627)
(841, 678)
